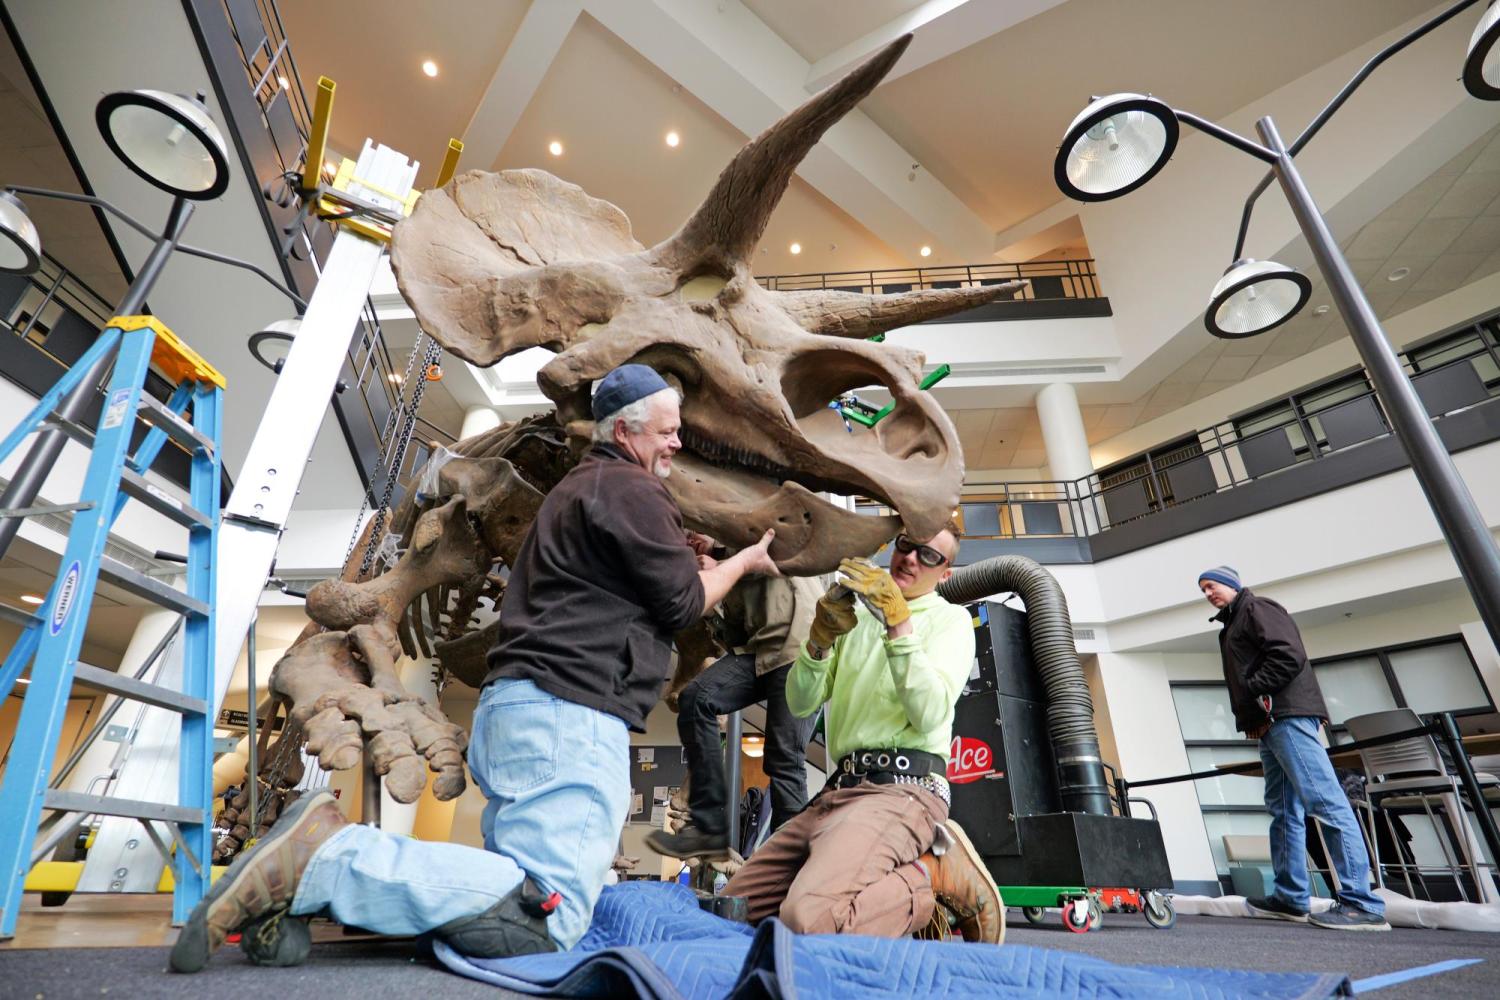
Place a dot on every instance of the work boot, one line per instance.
(689, 842)
(962, 883)
(261, 882)
(517, 925)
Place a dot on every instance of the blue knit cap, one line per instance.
(1222, 574)
(624, 386)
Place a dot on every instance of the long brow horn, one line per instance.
(856, 315)
(734, 215)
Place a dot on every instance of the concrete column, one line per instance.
(1062, 430)
(477, 420)
(1067, 444)
(416, 677)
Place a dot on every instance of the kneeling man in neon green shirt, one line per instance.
(875, 852)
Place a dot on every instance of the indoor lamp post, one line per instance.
(171, 141)
(1121, 141)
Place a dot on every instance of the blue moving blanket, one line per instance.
(650, 939)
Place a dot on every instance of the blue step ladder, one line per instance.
(51, 638)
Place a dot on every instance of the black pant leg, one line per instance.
(786, 748)
(727, 686)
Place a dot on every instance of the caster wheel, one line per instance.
(1035, 915)
(1075, 916)
(1096, 915)
(1158, 910)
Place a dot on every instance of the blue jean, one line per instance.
(557, 777)
(1300, 782)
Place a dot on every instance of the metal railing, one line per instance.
(1215, 460)
(48, 319)
(1050, 279)
(248, 47)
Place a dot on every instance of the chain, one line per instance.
(430, 357)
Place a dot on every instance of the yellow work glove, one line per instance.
(834, 617)
(875, 588)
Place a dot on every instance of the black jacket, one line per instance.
(1263, 655)
(601, 584)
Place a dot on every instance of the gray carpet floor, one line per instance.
(1279, 946)
(389, 969)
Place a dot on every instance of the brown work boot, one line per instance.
(261, 882)
(962, 883)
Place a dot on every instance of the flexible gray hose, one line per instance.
(1070, 708)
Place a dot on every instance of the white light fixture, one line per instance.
(33, 599)
(285, 83)
(20, 243)
(167, 139)
(795, 248)
(1117, 144)
(1255, 296)
(926, 251)
(271, 345)
(753, 746)
(1321, 310)
(429, 67)
(394, 378)
(555, 148)
(673, 139)
(1482, 63)
(1398, 274)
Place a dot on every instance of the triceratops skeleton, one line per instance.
(495, 263)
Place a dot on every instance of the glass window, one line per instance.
(1232, 789)
(1356, 686)
(1204, 713)
(1239, 823)
(1438, 678)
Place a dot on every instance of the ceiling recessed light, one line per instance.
(331, 166)
(394, 377)
(1321, 310)
(33, 599)
(673, 139)
(795, 248)
(926, 251)
(285, 83)
(429, 67)
(1398, 274)
(554, 147)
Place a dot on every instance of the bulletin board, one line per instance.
(655, 773)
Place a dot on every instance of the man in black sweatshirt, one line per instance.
(1276, 699)
(601, 583)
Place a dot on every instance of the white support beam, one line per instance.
(729, 59)
(942, 27)
(536, 43)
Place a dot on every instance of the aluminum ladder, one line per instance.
(51, 638)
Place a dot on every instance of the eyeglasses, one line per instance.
(926, 554)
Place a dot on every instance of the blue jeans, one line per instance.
(1300, 782)
(557, 777)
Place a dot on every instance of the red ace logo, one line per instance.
(969, 760)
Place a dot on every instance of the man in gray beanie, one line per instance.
(600, 584)
(1276, 700)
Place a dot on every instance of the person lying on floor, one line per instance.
(864, 856)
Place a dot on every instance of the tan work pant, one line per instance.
(844, 864)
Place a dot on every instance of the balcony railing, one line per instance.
(1223, 459)
(48, 319)
(260, 88)
(1049, 279)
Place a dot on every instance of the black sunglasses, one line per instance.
(926, 554)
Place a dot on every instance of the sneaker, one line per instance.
(261, 882)
(689, 842)
(1274, 908)
(962, 883)
(1340, 917)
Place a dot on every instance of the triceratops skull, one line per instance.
(495, 263)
